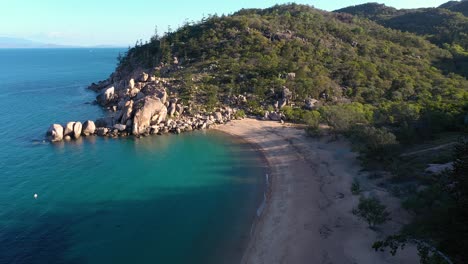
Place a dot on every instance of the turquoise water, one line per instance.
(165, 199)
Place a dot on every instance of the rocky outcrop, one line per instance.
(310, 103)
(88, 128)
(120, 127)
(275, 116)
(145, 110)
(144, 77)
(105, 122)
(127, 112)
(102, 131)
(68, 131)
(99, 86)
(55, 133)
(140, 104)
(106, 96)
(77, 127)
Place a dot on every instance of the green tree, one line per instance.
(372, 211)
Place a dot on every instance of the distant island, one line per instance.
(392, 82)
(20, 43)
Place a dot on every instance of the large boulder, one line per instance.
(144, 77)
(310, 103)
(68, 131)
(106, 96)
(162, 94)
(77, 127)
(218, 116)
(105, 122)
(120, 127)
(88, 128)
(99, 86)
(127, 112)
(172, 109)
(102, 131)
(287, 94)
(274, 116)
(145, 110)
(179, 109)
(55, 133)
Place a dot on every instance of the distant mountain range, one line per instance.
(19, 43)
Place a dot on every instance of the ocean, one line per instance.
(170, 199)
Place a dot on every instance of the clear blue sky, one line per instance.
(120, 22)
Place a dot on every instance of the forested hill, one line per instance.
(334, 58)
(443, 26)
(457, 6)
(384, 88)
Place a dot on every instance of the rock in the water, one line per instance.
(102, 131)
(105, 122)
(120, 127)
(131, 83)
(68, 131)
(145, 109)
(55, 133)
(106, 96)
(88, 128)
(77, 127)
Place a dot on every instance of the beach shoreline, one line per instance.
(307, 217)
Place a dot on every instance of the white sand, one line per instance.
(308, 216)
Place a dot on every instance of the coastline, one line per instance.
(307, 217)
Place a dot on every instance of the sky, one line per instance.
(122, 22)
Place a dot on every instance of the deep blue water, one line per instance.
(164, 199)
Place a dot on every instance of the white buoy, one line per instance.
(35, 196)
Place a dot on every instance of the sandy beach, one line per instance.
(307, 218)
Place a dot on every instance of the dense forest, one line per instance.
(445, 26)
(386, 78)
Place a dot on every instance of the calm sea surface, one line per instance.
(164, 199)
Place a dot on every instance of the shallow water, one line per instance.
(165, 199)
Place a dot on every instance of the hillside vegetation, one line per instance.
(367, 79)
(443, 26)
(456, 6)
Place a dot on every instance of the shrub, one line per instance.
(293, 114)
(356, 187)
(239, 114)
(342, 117)
(373, 143)
(372, 211)
(312, 119)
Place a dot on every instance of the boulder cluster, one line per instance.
(139, 108)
